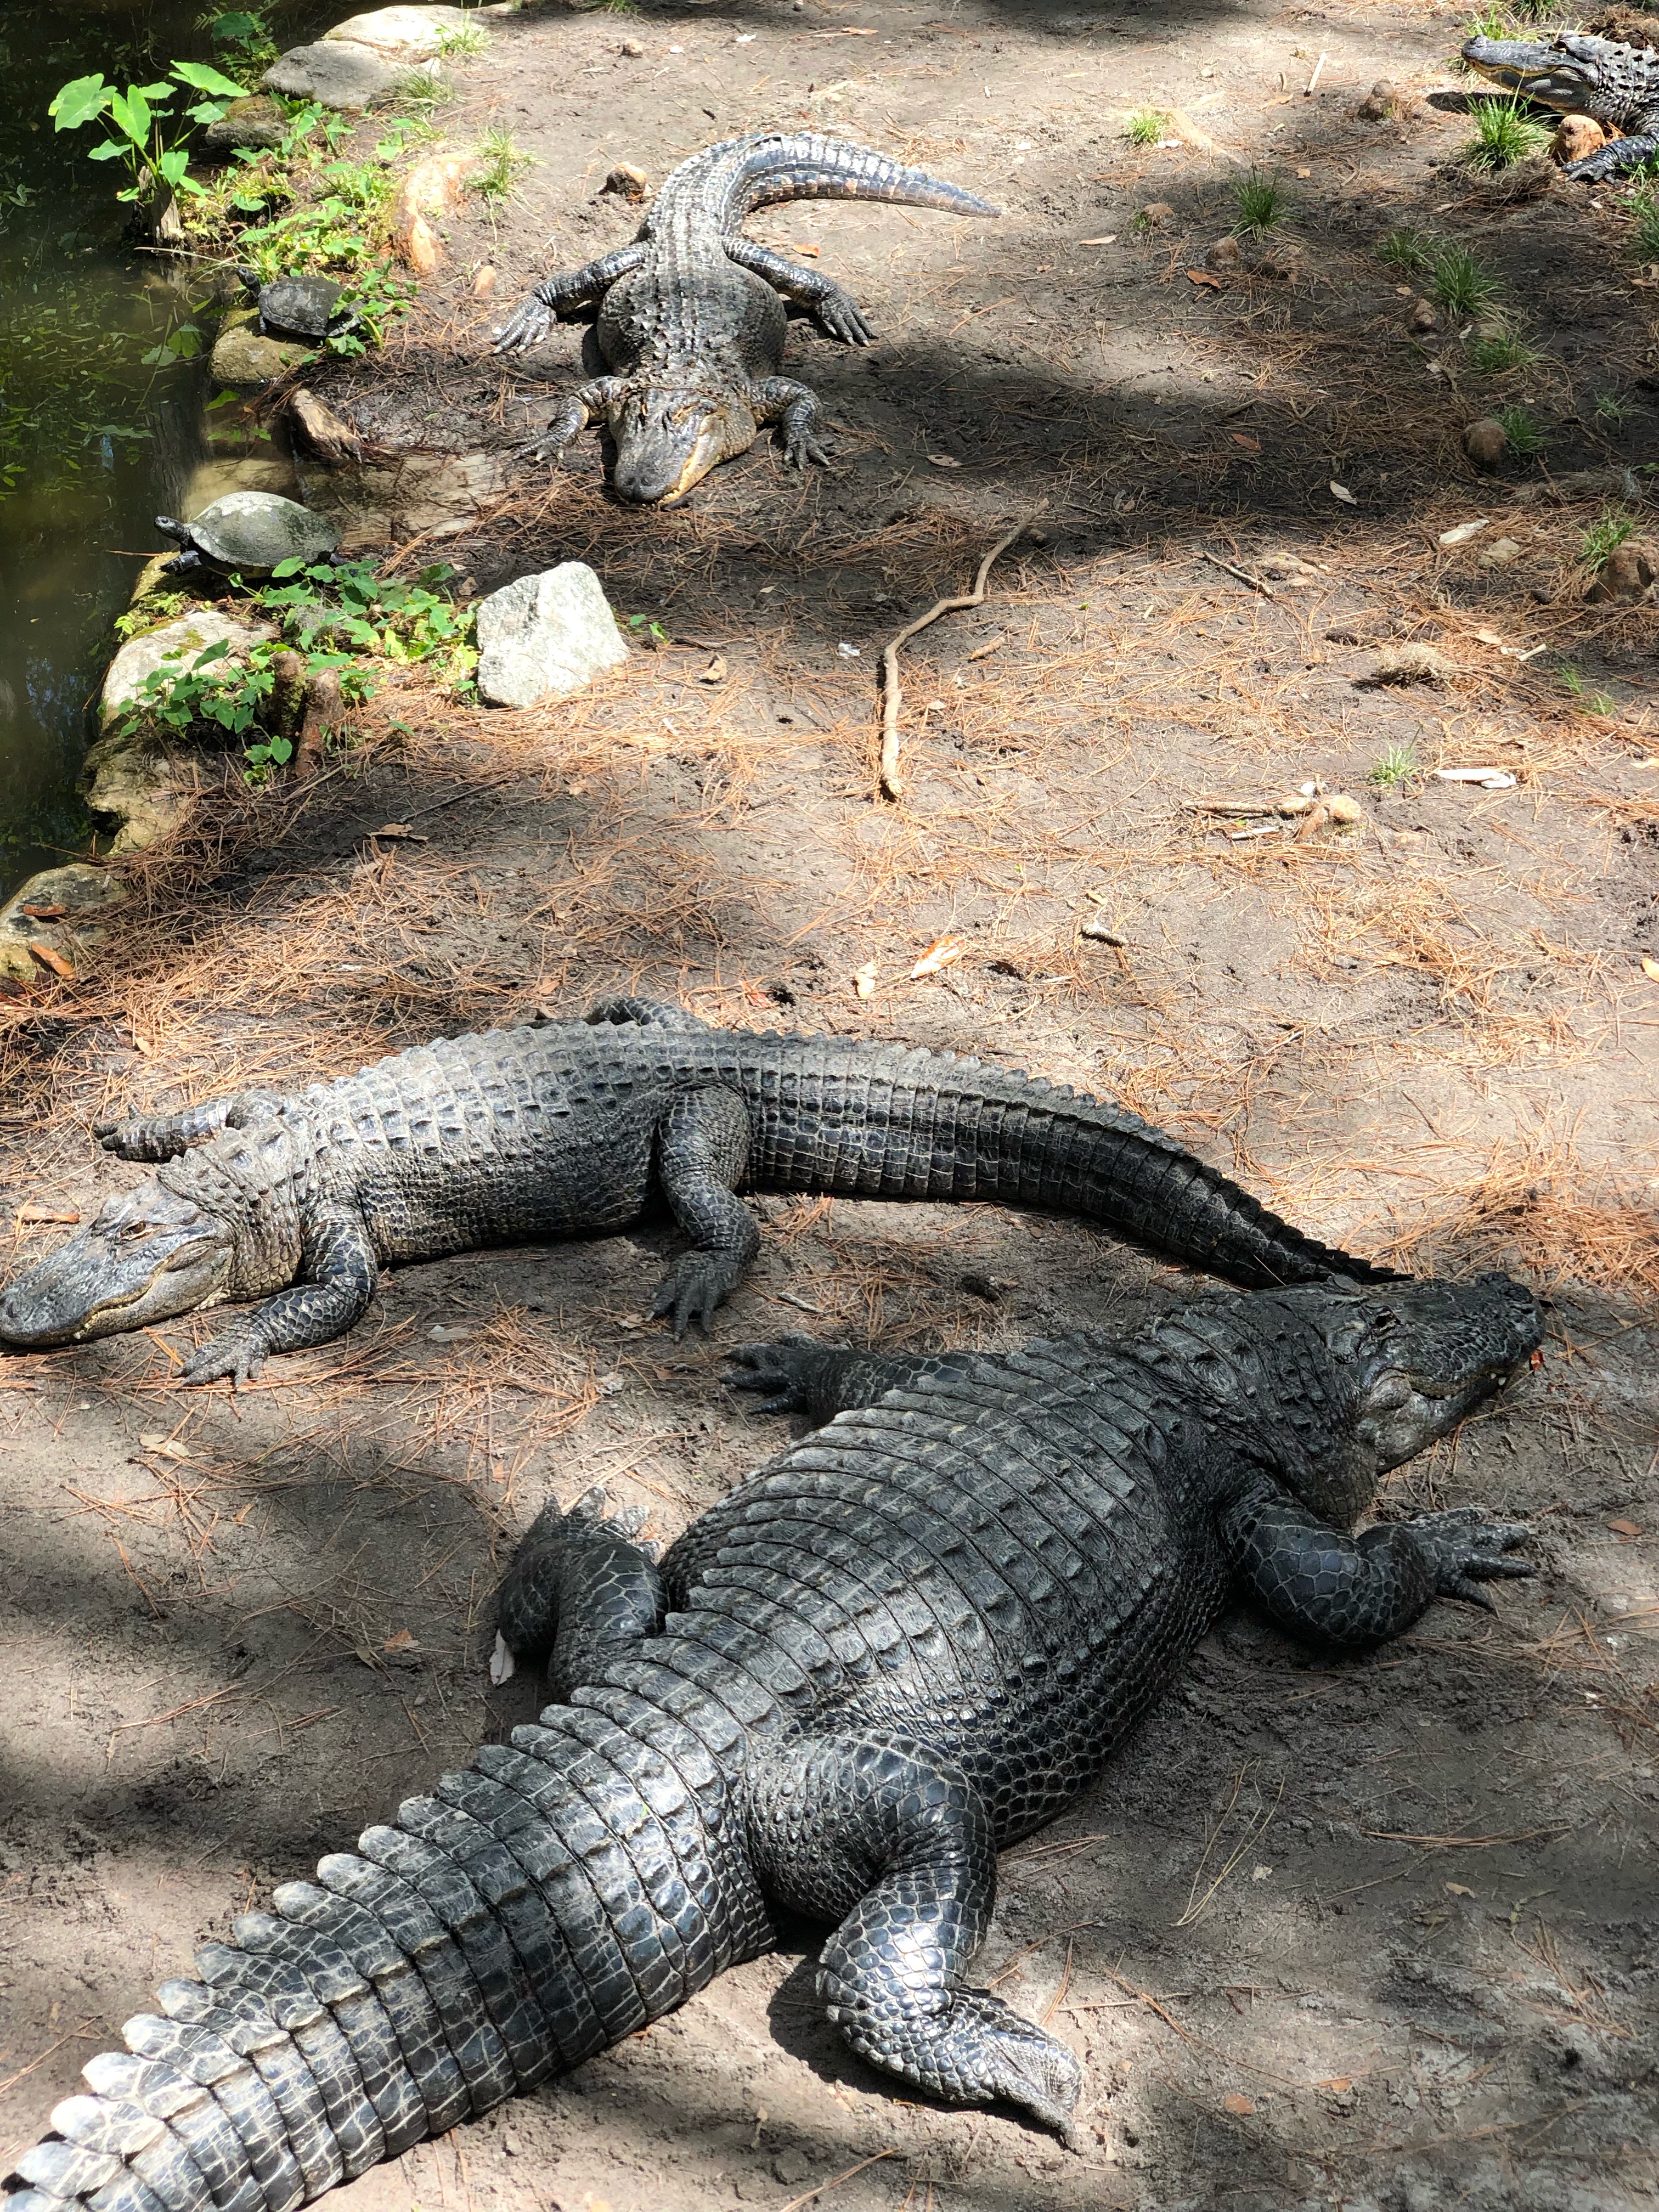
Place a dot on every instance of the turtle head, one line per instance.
(148, 1257)
(178, 531)
(667, 441)
(1562, 72)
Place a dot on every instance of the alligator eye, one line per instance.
(134, 1231)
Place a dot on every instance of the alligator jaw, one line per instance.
(148, 1257)
(667, 440)
(1535, 70)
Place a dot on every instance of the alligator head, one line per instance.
(1563, 72)
(148, 1257)
(667, 441)
(1415, 1358)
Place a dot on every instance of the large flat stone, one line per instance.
(256, 123)
(336, 73)
(402, 33)
(430, 495)
(545, 636)
(174, 646)
(149, 794)
(245, 362)
(84, 890)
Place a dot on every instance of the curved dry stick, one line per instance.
(889, 683)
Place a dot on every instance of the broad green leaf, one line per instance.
(203, 77)
(111, 150)
(209, 653)
(171, 165)
(288, 568)
(153, 93)
(131, 113)
(79, 102)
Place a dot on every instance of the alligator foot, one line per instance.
(239, 1353)
(785, 1369)
(696, 1284)
(1465, 1549)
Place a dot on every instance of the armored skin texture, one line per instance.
(571, 1130)
(1576, 75)
(912, 1639)
(692, 315)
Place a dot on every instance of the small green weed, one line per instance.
(1261, 202)
(1496, 352)
(1610, 408)
(500, 164)
(1523, 432)
(1145, 126)
(643, 627)
(1605, 536)
(461, 41)
(1643, 205)
(1411, 251)
(1396, 769)
(1460, 282)
(1571, 682)
(425, 89)
(153, 608)
(242, 34)
(1504, 133)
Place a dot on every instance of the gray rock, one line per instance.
(247, 363)
(183, 638)
(545, 636)
(337, 74)
(86, 891)
(255, 123)
(408, 33)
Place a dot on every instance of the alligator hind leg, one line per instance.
(835, 312)
(581, 1591)
(778, 399)
(164, 1136)
(881, 1832)
(702, 1150)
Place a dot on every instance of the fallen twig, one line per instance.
(1243, 574)
(890, 694)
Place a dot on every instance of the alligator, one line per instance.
(691, 315)
(570, 1129)
(910, 1640)
(1618, 85)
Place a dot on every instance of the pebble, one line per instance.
(1378, 103)
(1485, 443)
(631, 46)
(1500, 555)
(1157, 212)
(1224, 254)
(1576, 138)
(1627, 576)
(1423, 316)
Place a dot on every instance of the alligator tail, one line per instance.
(563, 1891)
(804, 165)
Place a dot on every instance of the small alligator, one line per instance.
(1576, 75)
(911, 1640)
(691, 315)
(570, 1129)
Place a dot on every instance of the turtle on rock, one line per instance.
(301, 307)
(251, 532)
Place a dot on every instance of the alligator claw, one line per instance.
(527, 328)
(696, 1284)
(777, 1368)
(1465, 1549)
(801, 446)
(240, 1358)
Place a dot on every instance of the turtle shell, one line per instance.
(255, 530)
(304, 305)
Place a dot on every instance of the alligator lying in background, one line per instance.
(1616, 85)
(570, 1129)
(911, 1640)
(691, 315)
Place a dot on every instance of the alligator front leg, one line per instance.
(1619, 154)
(835, 312)
(1319, 1583)
(342, 1270)
(580, 1592)
(583, 407)
(777, 399)
(164, 1136)
(701, 1153)
(888, 1835)
(562, 294)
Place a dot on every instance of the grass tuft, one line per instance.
(1145, 126)
(1411, 251)
(1504, 133)
(1604, 537)
(1396, 769)
(1522, 430)
(425, 88)
(500, 164)
(1460, 282)
(1644, 228)
(463, 41)
(1496, 352)
(1261, 202)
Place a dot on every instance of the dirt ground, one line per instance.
(1370, 1934)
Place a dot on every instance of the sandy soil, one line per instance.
(1372, 1935)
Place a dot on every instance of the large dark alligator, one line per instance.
(570, 1129)
(912, 1639)
(692, 315)
(1576, 75)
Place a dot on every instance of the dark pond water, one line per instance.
(95, 440)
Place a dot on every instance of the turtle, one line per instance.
(301, 307)
(251, 532)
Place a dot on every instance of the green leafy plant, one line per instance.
(1494, 352)
(153, 609)
(500, 164)
(1145, 126)
(1605, 536)
(1411, 251)
(1522, 430)
(1460, 282)
(1261, 202)
(1504, 132)
(1611, 408)
(243, 35)
(146, 132)
(643, 625)
(1396, 769)
(351, 603)
(1644, 204)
